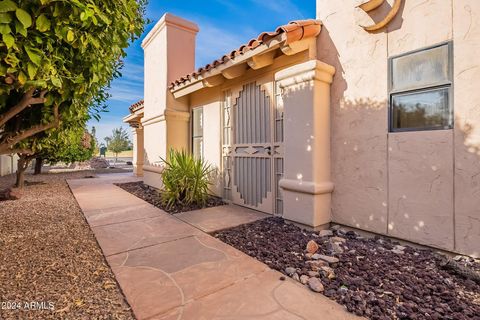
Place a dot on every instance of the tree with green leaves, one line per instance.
(65, 145)
(56, 60)
(69, 146)
(118, 141)
(48, 144)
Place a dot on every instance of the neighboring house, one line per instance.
(8, 164)
(326, 121)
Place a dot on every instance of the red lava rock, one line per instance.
(153, 196)
(369, 279)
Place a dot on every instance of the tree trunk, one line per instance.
(38, 166)
(22, 167)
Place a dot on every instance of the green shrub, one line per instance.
(186, 180)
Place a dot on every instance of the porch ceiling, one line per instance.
(260, 52)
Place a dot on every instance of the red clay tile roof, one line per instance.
(136, 106)
(294, 31)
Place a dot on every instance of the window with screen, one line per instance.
(420, 90)
(197, 131)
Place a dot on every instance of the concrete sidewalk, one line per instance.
(170, 269)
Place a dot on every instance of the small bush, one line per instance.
(185, 180)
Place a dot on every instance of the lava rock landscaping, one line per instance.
(372, 277)
(153, 196)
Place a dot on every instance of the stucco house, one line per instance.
(367, 116)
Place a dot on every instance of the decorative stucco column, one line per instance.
(307, 184)
(169, 50)
(138, 151)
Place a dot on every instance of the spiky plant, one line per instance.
(185, 180)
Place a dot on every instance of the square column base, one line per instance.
(138, 170)
(311, 210)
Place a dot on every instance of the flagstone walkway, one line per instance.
(171, 269)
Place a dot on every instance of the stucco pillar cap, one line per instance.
(303, 72)
(169, 19)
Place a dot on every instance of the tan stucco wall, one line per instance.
(403, 184)
(466, 39)
(358, 115)
(420, 185)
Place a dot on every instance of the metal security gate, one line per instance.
(252, 156)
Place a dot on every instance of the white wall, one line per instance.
(212, 139)
(8, 164)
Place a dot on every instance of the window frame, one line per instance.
(432, 87)
(202, 155)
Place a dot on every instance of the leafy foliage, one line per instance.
(118, 141)
(59, 56)
(68, 146)
(186, 180)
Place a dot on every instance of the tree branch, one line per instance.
(7, 145)
(27, 100)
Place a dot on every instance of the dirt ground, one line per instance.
(51, 266)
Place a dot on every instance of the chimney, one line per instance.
(169, 51)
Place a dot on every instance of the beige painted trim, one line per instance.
(133, 117)
(389, 17)
(154, 169)
(235, 71)
(266, 74)
(168, 114)
(237, 66)
(250, 75)
(186, 90)
(261, 60)
(214, 81)
(304, 72)
(299, 46)
(306, 187)
(370, 5)
(152, 120)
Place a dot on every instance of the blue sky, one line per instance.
(224, 25)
